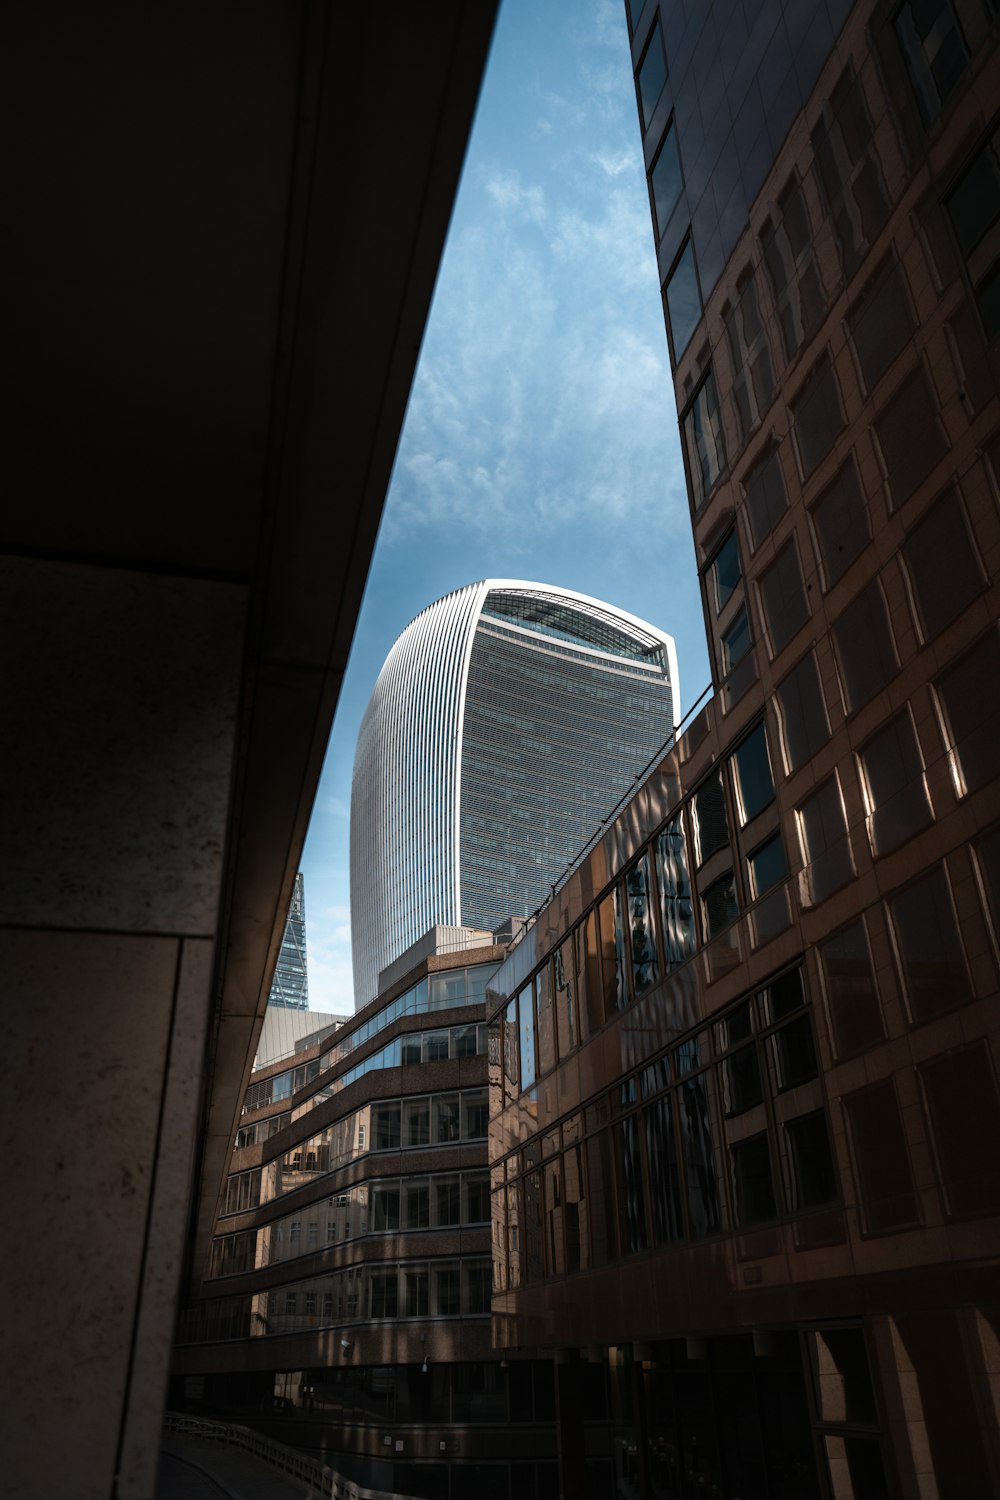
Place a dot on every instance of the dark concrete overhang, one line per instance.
(222, 227)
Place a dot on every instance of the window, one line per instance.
(974, 208)
(851, 991)
(416, 1122)
(910, 436)
(416, 1201)
(813, 1180)
(386, 1122)
(881, 1158)
(719, 905)
(526, 1032)
(665, 180)
(791, 268)
(783, 598)
(963, 1110)
(736, 641)
(683, 300)
(475, 1114)
(725, 570)
(895, 790)
(881, 322)
(969, 706)
(385, 1206)
(931, 960)
(565, 999)
(753, 1188)
(652, 75)
(942, 566)
(805, 726)
(817, 415)
(850, 171)
(544, 1021)
(446, 1127)
(866, 653)
(768, 866)
(754, 782)
(447, 1201)
(753, 383)
(676, 911)
(841, 527)
(703, 440)
(638, 896)
(826, 845)
(766, 498)
(934, 51)
(708, 808)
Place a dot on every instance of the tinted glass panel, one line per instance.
(683, 301)
(726, 570)
(768, 865)
(652, 74)
(897, 794)
(968, 694)
(766, 498)
(709, 817)
(866, 653)
(930, 950)
(666, 181)
(753, 1190)
(676, 911)
(754, 781)
(840, 524)
(805, 727)
(941, 564)
(783, 598)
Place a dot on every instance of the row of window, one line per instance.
(413, 1047)
(386, 1205)
(650, 921)
(357, 1294)
(417, 1122)
(725, 1131)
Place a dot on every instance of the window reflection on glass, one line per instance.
(588, 972)
(652, 74)
(631, 1198)
(768, 865)
(676, 908)
(683, 301)
(699, 1169)
(765, 496)
(612, 953)
(931, 956)
(526, 1034)
(719, 905)
(726, 570)
(736, 641)
(665, 180)
(741, 1085)
(895, 789)
(934, 50)
(793, 1056)
(703, 439)
(565, 998)
(753, 385)
(754, 782)
(708, 810)
(511, 1087)
(664, 1174)
(645, 965)
(544, 1021)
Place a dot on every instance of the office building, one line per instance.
(290, 985)
(508, 720)
(345, 1309)
(745, 1100)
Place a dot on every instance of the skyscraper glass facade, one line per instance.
(290, 986)
(508, 720)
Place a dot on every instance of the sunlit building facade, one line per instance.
(508, 720)
(745, 1090)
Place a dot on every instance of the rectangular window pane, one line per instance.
(683, 301)
(416, 1122)
(526, 1034)
(544, 1021)
(895, 788)
(805, 726)
(963, 1110)
(881, 1158)
(652, 74)
(708, 815)
(588, 970)
(719, 905)
(941, 563)
(866, 652)
(703, 440)
(676, 911)
(726, 570)
(694, 1113)
(766, 496)
(754, 782)
(970, 704)
(642, 935)
(881, 322)
(564, 981)
(841, 524)
(445, 1125)
(910, 436)
(665, 180)
(612, 954)
(818, 416)
(768, 866)
(753, 1189)
(851, 991)
(934, 51)
(812, 1178)
(783, 598)
(930, 951)
(826, 845)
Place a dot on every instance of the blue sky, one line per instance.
(541, 436)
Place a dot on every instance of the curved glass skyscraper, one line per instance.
(508, 719)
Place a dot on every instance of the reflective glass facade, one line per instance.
(290, 986)
(507, 722)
